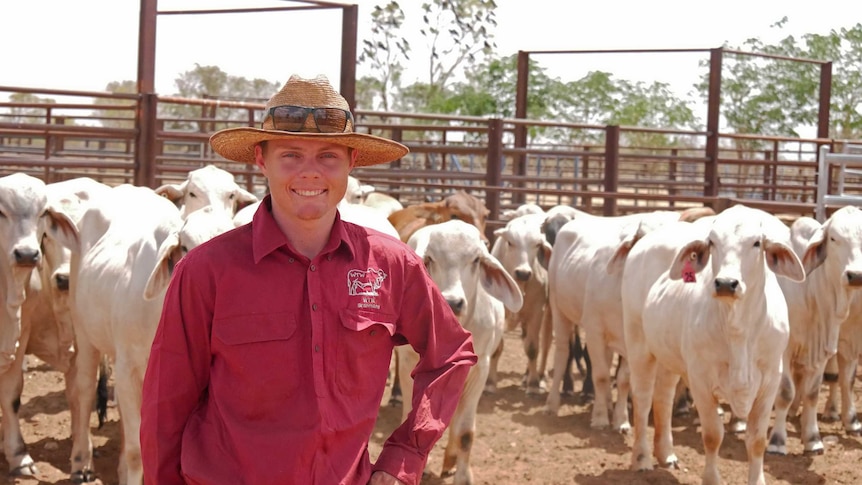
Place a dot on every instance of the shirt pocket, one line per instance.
(256, 359)
(365, 342)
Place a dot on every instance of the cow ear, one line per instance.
(499, 284)
(172, 192)
(244, 198)
(168, 255)
(62, 229)
(695, 253)
(545, 250)
(783, 261)
(815, 252)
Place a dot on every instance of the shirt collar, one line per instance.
(267, 236)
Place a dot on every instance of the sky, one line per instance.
(86, 44)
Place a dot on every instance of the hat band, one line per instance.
(294, 119)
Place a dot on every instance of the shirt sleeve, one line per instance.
(177, 375)
(446, 354)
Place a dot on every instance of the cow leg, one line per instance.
(463, 428)
(129, 384)
(812, 444)
(11, 385)
(86, 369)
(662, 412)
(532, 329)
(846, 376)
(712, 430)
(621, 408)
(407, 360)
(547, 339)
(493, 377)
(395, 395)
(563, 329)
(643, 375)
(783, 400)
(757, 426)
(832, 408)
(601, 373)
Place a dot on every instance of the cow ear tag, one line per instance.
(688, 270)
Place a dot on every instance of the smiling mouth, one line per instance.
(309, 193)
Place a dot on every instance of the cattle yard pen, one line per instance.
(606, 170)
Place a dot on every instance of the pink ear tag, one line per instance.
(688, 272)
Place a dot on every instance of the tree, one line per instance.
(118, 118)
(210, 82)
(457, 32)
(28, 114)
(383, 53)
(780, 97)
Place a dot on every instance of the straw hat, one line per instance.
(238, 143)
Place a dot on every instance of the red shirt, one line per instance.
(270, 368)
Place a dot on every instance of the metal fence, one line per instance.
(602, 169)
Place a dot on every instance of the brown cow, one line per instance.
(459, 205)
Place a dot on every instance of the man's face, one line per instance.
(307, 178)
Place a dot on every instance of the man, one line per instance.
(271, 357)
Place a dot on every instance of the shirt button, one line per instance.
(317, 348)
(373, 332)
(329, 257)
(290, 260)
(312, 268)
(314, 306)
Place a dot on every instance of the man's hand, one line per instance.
(383, 478)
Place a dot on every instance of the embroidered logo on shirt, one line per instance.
(364, 282)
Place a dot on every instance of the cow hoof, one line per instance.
(490, 389)
(624, 428)
(814, 449)
(25, 470)
(671, 462)
(83, 476)
(548, 410)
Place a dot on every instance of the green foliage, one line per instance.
(117, 118)
(779, 96)
(27, 114)
(382, 53)
(211, 82)
(457, 32)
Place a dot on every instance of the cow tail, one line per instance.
(102, 391)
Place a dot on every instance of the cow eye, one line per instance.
(476, 261)
(757, 244)
(232, 196)
(2, 215)
(428, 261)
(193, 195)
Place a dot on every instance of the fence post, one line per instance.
(612, 168)
(494, 174)
(710, 171)
(145, 156)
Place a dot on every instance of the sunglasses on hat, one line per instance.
(292, 118)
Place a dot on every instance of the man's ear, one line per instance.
(354, 155)
(258, 158)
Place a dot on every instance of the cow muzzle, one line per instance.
(726, 286)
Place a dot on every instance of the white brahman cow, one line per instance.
(114, 255)
(832, 256)
(25, 219)
(584, 290)
(208, 186)
(477, 289)
(705, 304)
(523, 250)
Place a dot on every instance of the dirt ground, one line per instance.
(515, 442)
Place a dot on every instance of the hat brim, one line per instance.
(238, 144)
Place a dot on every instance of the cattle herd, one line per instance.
(735, 309)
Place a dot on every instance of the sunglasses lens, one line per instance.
(293, 118)
(330, 120)
(289, 118)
